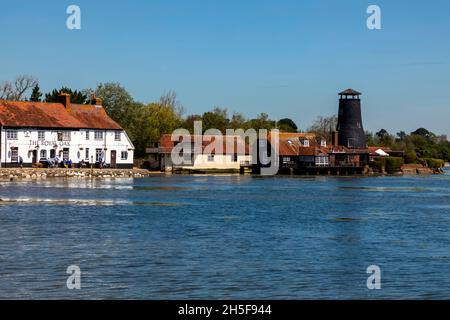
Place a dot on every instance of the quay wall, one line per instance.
(11, 174)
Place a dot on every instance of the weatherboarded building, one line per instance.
(233, 157)
(36, 132)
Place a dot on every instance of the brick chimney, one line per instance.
(335, 138)
(96, 101)
(64, 98)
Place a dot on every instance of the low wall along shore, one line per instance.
(11, 174)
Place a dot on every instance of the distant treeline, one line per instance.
(418, 145)
(146, 122)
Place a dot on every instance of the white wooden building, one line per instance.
(36, 132)
(233, 160)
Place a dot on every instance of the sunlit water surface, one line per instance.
(221, 237)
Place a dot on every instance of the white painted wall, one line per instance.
(28, 140)
(204, 162)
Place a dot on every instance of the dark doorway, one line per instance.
(113, 158)
(52, 153)
(34, 157)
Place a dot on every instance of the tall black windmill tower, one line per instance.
(350, 128)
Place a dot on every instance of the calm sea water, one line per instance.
(240, 237)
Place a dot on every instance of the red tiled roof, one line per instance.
(294, 147)
(296, 135)
(307, 151)
(93, 117)
(287, 147)
(236, 143)
(54, 115)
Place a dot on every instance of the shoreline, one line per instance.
(32, 174)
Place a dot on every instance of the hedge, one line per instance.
(433, 163)
(390, 164)
(394, 164)
(379, 162)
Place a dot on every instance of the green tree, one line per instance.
(262, 121)
(384, 138)
(423, 133)
(118, 103)
(370, 139)
(188, 123)
(76, 96)
(237, 121)
(36, 94)
(287, 125)
(216, 119)
(382, 134)
(154, 120)
(410, 156)
(401, 135)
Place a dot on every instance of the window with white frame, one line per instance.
(322, 160)
(323, 143)
(41, 135)
(87, 135)
(66, 154)
(43, 154)
(14, 155)
(117, 135)
(66, 135)
(11, 135)
(306, 143)
(210, 157)
(124, 155)
(86, 154)
(99, 155)
(98, 135)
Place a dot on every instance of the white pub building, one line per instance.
(38, 132)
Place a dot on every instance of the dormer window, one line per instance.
(306, 143)
(323, 143)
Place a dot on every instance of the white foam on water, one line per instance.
(78, 202)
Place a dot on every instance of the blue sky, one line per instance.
(286, 58)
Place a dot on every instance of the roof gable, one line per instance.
(350, 92)
(54, 115)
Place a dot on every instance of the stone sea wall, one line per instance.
(412, 169)
(11, 174)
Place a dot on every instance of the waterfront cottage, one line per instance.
(37, 133)
(234, 156)
(308, 153)
(301, 150)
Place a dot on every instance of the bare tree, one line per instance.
(5, 90)
(18, 89)
(324, 126)
(170, 100)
